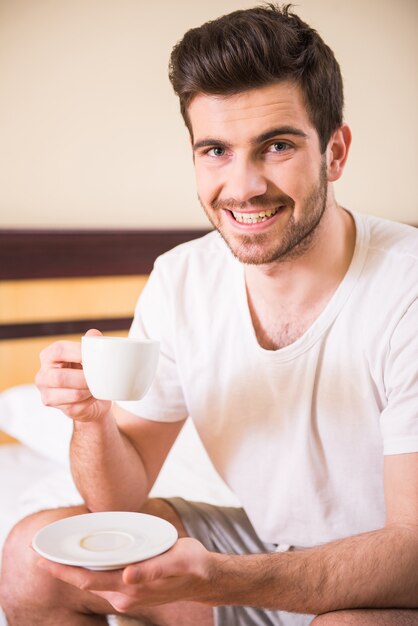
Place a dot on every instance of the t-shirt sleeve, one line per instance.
(399, 419)
(155, 319)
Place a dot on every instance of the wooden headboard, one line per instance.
(60, 283)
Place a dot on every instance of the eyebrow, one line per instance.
(269, 134)
(281, 130)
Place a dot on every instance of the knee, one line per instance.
(335, 618)
(21, 579)
(367, 617)
(162, 508)
(355, 617)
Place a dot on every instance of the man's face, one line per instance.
(260, 175)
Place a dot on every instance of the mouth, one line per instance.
(257, 217)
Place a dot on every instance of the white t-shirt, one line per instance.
(298, 433)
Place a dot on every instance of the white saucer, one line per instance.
(104, 541)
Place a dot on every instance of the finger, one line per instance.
(90, 410)
(185, 557)
(93, 332)
(61, 352)
(61, 378)
(84, 579)
(65, 397)
(152, 569)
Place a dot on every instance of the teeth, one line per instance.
(254, 218)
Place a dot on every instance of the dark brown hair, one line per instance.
(255, 47)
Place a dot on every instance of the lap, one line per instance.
(220, 529)
(24, 579)
(229, 531)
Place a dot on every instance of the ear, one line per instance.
(337, 152)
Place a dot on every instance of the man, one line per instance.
(296, 356)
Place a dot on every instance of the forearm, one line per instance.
(377, 569)
(107, 469)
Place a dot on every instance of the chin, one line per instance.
(250, 250)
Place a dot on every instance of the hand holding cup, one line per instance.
(115, 368)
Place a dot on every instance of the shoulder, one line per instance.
(210, 242)
(193, 280)
(208, 253)
(390, 252)
(387, 287)
(389, 238)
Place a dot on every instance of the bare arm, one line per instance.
(115, 456)
(376, 569)
(114, 467)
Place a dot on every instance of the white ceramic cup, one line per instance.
(119, 368)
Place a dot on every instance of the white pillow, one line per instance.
(44, 429)
(187, 471)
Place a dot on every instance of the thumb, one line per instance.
(146, 571)
(93, 332)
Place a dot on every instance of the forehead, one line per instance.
(249, 112)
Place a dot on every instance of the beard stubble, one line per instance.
(298, 236)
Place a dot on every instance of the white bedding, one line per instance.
(21, 470)
(28, 480)
(35, 473)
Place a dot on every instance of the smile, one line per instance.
(254, 218)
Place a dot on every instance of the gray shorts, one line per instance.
(228, 530)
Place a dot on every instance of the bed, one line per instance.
(56, 284)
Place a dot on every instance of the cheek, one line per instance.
(295, 178)
(208, 185)
(284, 179)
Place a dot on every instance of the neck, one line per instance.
(318, 271)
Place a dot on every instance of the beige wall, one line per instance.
(90, 133)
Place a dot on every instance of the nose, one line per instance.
(244, 180)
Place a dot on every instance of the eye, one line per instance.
(216, 151)
(278, 146)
